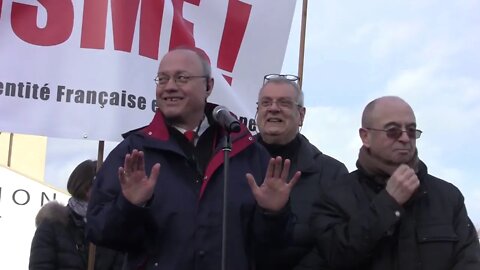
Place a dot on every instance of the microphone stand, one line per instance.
(227, 148)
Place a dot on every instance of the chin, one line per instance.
(402, 159)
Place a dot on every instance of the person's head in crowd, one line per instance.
(81, 180)
(184, 82)
(280, 110)
(389, 130)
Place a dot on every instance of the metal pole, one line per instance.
(227, 148)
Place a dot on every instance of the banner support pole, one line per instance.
(91, 247)
(302, 42)
(10, 146)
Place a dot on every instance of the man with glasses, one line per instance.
(280, 114)
(171, 217)
(390, 213)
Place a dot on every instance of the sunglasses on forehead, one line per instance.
(396, 132)
(288, 77)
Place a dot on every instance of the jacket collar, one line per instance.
(305, 157)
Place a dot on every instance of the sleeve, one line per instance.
(467, 249)
(347, 228)
(112, 221)
(273, 228)
(43, 252)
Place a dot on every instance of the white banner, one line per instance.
(20, 200)
(85, 69)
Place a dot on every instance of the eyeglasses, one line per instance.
(288, 77)
(396, 132)
(162, 80)
(282, 103)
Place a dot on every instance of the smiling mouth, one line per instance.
(274, 120)
(172, 99)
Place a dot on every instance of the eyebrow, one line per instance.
(180, 72)
(278, 98)
(399, 125)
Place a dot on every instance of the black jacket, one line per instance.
(301, 254)
(59, 243)
(359, 226)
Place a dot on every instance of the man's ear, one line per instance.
(210, 83)
(365, 136)
(302, 112)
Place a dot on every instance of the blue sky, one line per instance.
(426, 52)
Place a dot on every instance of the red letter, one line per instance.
(94, 24)
(1, 4)
(150, 27)
(124, 15)
(59, 22)
(236, 22)
(182, 30)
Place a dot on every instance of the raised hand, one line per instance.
(137, 187)
(402, 184)
(274, 192)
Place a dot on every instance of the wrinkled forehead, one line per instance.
(277, 90)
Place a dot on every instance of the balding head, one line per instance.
(377, 106)
(202, 56)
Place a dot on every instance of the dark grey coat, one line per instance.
(59, 243)
(300, 254)
(359, 226)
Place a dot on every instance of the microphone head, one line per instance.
(216, 111)
(222, 116)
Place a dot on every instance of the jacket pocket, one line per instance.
(436, 244)
(436, 233)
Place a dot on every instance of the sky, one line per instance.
(425, 51)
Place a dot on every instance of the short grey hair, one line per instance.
(283, 80)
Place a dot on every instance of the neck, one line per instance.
(285, 150)
(187, 124)
(279, 140)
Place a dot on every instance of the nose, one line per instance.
(404, 137)
(273, 106)
(171, 84)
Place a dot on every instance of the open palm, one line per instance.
(274, 192)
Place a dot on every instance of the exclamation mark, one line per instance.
(236, 23)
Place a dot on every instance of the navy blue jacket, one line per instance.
(181, 227)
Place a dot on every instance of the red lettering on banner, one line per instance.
(124, 16)
(182, 29)
(236, 22)
(94, 24)
(59, 24)
(150, 27)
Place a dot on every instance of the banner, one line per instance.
(20, 200)
(85, 69)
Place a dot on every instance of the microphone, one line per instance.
(223, 117)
